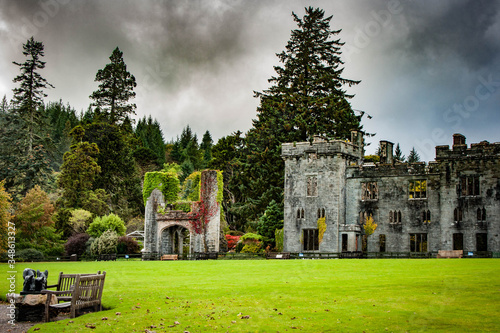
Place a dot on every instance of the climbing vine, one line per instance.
(321, 229)
(167, 182)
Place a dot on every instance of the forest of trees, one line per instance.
(75, 180)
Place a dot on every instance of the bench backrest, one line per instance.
(67, 281)
(87, 290)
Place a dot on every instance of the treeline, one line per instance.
(96, 161)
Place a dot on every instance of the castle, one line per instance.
(451, 203)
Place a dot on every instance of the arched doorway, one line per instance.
(175, 240)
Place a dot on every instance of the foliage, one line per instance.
(398, 154)
(185, 206)
(255, 247)
(33, 213)
(115, 90)
(134, 224)
(119, 176)
(321, 228)
(206, 148)
(167, 182)
(5, 216)
(369, 226)
(80, 220)
(250, 237)
(232, 241)
(127, 245)
(78, 173)
(148, 131)
(278, 237)
(413, 157)
(108, 222)
(271, 220)
(76, 244)
(191, 187)
(27, 155)
(29, 255)
(105, 244)
(372, 159)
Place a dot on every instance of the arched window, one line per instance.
(302, 213)
(391, 220)
(323, 214)
(484, 214)
(319, 213)
(298, 213)
(399, 216)
(479, 214)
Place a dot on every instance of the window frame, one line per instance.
(308, 235)
(311, 186)
(414, 187)
(369, 191)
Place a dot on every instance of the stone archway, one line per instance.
(175, 239)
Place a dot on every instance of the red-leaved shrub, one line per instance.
(232, 241)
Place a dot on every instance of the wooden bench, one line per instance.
(278, 255)
(66, 282)
(170, 257)
(86, 293)
(450, 254)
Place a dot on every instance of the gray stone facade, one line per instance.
(451, 203)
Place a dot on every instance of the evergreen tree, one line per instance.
(271, 220)
(398, 154)
(206, 148)
(115, 90)
(306, 99)
(28, 97)
(25, 160)
(413, 157)
(149, 133)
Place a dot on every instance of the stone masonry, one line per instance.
(451, 203)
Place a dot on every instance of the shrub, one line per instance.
(76, 244)
(252, 248)
(250, 238)
(80, 220)
(235, 233)
(127, 245)
(105, 244)
(239, 246)
(108, 222)
(232, 241)
(29, 255)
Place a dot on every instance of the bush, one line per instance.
(105, 244)
(80, 220)
(235, 233)
(232, 241)
(250, 237)
(108, 222)
(239, 246)
(252, 248)
(29, 255)
(127, 245)
(76, 244)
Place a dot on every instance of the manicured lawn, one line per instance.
(447, 295)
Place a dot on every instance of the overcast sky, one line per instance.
(428, 69)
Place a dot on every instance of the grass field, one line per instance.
(448, 295)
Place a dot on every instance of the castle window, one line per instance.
(417, 189)
(469, 185)
(312, 186)
(391, 217)
(458, 241)
(311, 239)
(298, 213)
(481, 214)
(457, 215)
(369, 191)
(381, 240)
(321, 213)
(395, 217)
(426, 216)
(302, 213)
(418, 242)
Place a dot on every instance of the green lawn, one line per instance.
(447, 295)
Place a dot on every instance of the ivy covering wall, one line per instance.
(167, 182)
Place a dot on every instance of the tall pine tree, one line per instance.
(115, 90)
(307, 98)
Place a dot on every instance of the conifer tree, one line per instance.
(413, 157)
(115, 90)
(398, 154)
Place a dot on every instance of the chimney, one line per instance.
(458, 139)
(386, 156)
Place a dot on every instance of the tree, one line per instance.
(28, 97)
(109, 222)
(80, 220)
(270, 221)
(306, 99)
(115, 89)
(149, 133)
(5, 216)
(206, 148)
(398, 154)
(105, 244)
(413, 157)
(25, 159)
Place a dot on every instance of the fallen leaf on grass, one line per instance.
(104, 318)
(118, 313)
(92, 326)
(245, 317)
